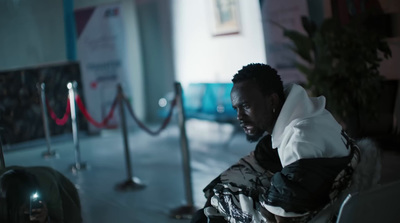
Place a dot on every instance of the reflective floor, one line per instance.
(156, 161)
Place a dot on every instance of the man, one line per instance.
(291, 174)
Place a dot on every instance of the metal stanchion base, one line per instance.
(49, 154)
(78, 167)
(130, 184)
(183, 212)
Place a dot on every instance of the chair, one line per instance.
(380, 204)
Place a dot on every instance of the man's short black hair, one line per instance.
(267, 78)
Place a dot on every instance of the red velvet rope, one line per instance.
(86, 114)
(104, 123)
(142, 126)
(64, 119)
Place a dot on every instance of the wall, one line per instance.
(202, 57)
(133, 52)
(391, 68)
(20, 107)
(157, 53)
(388, 123)
(149, 47)
(31, 33)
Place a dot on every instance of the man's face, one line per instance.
(254, 110)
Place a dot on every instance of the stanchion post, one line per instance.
(49, 153)
(2, 163)
(71, 92)
(131, 183)
(187, 210)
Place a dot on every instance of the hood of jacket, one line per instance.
(298, 105)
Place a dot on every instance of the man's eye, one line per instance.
(246, 106)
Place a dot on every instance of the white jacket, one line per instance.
(305, 129)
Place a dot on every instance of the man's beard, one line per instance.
(255, 137)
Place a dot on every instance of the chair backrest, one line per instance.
(380, 204)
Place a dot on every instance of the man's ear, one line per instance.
(274, 100)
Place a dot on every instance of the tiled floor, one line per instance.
(157, 161)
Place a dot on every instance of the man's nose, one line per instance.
(239, 114)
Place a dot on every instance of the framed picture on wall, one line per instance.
(225, 17)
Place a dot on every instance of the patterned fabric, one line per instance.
(236, 197)
(237, 204)
(247, 173)
(343, 180)
(237, 194)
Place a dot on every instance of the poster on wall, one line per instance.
(100, 50)
(225, 17)
(286, 13)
